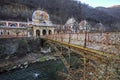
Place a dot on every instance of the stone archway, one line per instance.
(49, 32)
(44, 32)
(37, 33)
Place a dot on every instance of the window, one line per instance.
(1, 32)
(8, 32)
(13, 25)
(44, 22)
(0, 24)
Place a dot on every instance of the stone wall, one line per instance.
(112, 38)
(18, 46)
(105, 42)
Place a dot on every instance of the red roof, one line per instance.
(82, 23)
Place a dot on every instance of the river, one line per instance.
(36, 71)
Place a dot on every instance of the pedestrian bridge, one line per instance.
(94, 64)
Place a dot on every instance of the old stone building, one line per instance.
(72, 26)
(39, 26)
(13, 29)
(42, 24)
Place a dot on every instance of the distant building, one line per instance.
(39, 26)
(13, 28)
(86, 26)
(82, 25)
(100, 27)
(71, 26)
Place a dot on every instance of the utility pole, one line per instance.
(85, 36)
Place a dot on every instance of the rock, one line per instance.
(25, 66)
(19, 66)
(14, 67)
(36, 75)
(26, 63)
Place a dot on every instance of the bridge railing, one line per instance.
(105, 42)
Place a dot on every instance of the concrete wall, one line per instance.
(112, 38)
(109, 38)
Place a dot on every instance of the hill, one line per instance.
(60, 11)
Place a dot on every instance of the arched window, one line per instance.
(37, 33)
(12, 25)
(1, 32)
(44, 32)
(23, 25)
(8, 32)
(0, 24)
(49, 32)
(44, 22)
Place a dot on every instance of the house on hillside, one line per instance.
(85, 26)
(71, 26)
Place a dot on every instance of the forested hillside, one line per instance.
(59, 10)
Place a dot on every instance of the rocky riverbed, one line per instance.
(15, 62)
(19, 52)
(36, 71)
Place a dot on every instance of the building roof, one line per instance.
(41, 17)
(83, 23)
(70, 22)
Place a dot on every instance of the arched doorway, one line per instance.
(37, 33)
(44, 32)
(49, 32)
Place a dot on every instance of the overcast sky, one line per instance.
(104, 3)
